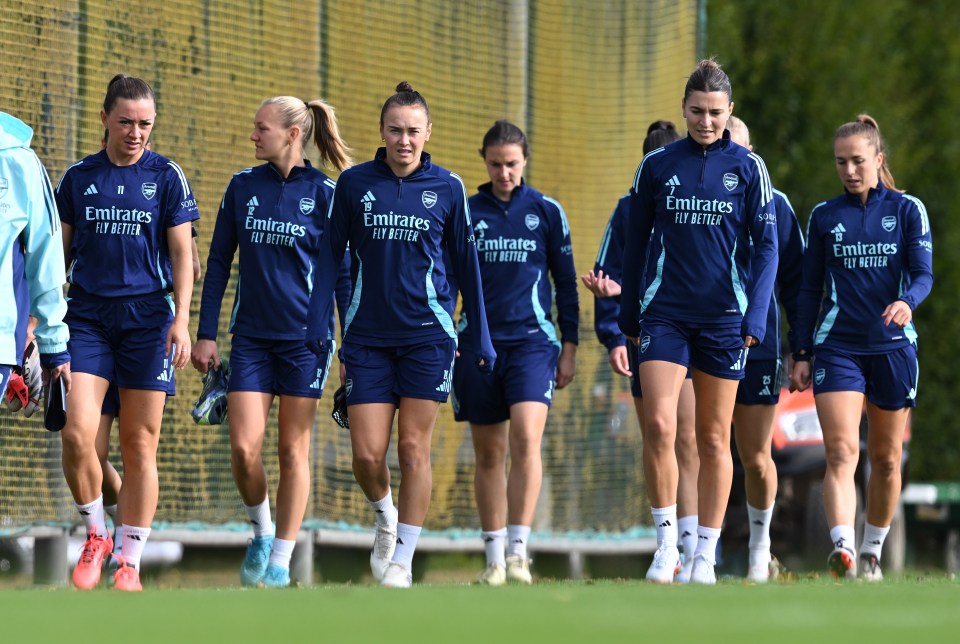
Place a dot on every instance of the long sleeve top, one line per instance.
(398, 229)
(859, 259)
(31, 248)
(694, 212)
(277, 224)
(519, 243)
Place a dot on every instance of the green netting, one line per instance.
(582, 78)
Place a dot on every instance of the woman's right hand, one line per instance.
(600, 285)
(204, 353)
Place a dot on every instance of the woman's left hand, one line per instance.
(800, 376)
(566, 364)
(749, 342)
(179, 337)
(899, 313)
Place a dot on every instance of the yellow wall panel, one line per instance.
(583, 79)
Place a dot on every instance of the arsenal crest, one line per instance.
(148, 189)
(644, 343)
(429, 198)
(306, 205)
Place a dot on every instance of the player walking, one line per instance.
(696, 206)
(604, 283)
(126, 214)
(522, 235)
(275, 214)
(868, 265)
(400, 213)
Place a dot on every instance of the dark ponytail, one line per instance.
(708, 77)
(405, 96)
(127, 87)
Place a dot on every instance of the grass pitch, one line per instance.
(812, 611)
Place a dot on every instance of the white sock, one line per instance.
(94, 518)
(517, 538)
(493, 545)
(260, 518)
(707, 543)
(386, 511)
(665, 519)
(759, 528)
(687, 527)
(407, 536)
(873, 538)
(111, 511)
(842, 536)
(134, 539)
(281, 553)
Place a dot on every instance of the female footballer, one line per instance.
(126, 214)
(275, 214)
(868, 265)
(400, 213)
(522, 237)
(688, 278)
(759, 391)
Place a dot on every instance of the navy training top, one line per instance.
(859, 259)
(398, 229)
(694, 212)
(278, 225)
(518, 243)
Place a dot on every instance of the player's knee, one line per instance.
(524, 449)
(713, 446)
(491, 458)
(139, 463)
(886, 466)
(757, 463)
(292, 458)
(659, 432)
(244, 457)
(413, 456)
(75, 446)
(841, 456)
(367, 462)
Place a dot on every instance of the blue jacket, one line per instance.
(120, 216)
(518, 242)
(31, 249)
(277, 224)
(789, 266)
(790, 244)
(859, 259)
(397, 230)
(694, 212)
